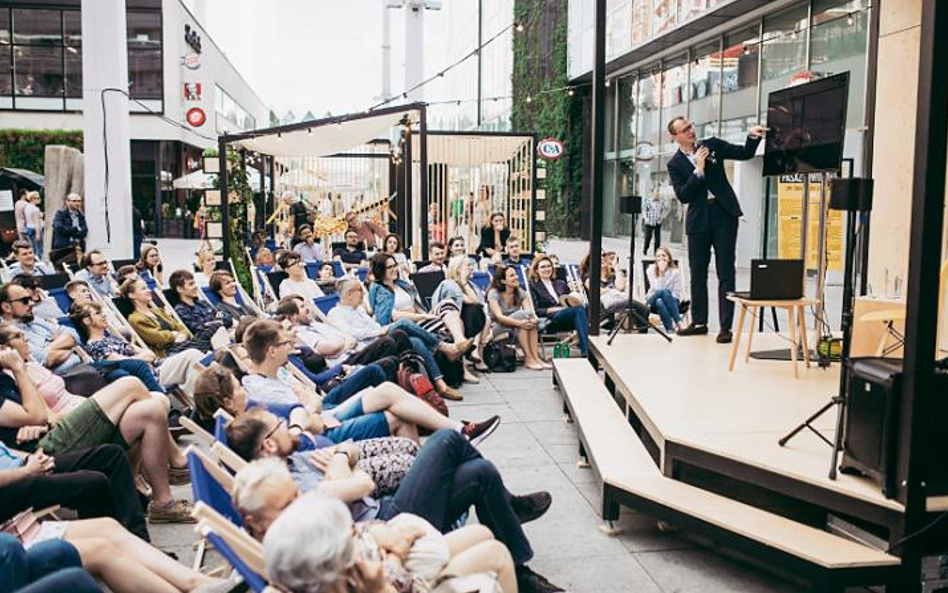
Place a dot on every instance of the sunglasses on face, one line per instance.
(22, 300)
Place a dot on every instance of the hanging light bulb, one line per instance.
(570, 92)
(309, 131)
(519, 27)
(747, 50)
(793, 35)
(850, 20)
(529, 99)
(608, 83)
(279, 136)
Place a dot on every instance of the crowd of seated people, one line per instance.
(336, 404)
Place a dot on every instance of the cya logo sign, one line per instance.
(550, 149)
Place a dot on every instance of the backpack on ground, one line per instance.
(413, 379)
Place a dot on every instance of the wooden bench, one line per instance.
(630, 477)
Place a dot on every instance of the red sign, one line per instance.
(192, 91)
(196, 117)
(550, 149)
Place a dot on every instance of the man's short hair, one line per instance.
(216, 282)
(511, 239)
(350, 230)
(246, 432)
(287, 306)
(26, 281)
(179, 278)
(74, 284)
(21, 244)
(5, 292)
(87, 257)
(288, 258)
(672, 129)
(262, 335)
(435, 245)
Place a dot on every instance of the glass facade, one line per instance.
(226, 107)
(721, 84)
(41, 57)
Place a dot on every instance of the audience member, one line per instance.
(494, 237)
(224, 286)
(69, 225)
(351, 254)
(551, 299)
(326, 278)
(460, 303)
(263, 259)
(510, 309)
(26, 262)
(514, 256)
(44, 306)
(160, 331)
(437, 254)
(50, 344)
(206, 264)
(368, 232)
(392, 245)
(665, 288)
(197, 314)
(149, 265)
(308, 248)
(52, 565)
(33, 219)
(95, 271)
(297, 282)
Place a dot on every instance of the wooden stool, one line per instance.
(795, 310)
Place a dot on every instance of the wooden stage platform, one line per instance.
(693, 412)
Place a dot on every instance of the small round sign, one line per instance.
(550, 149)
(196, 117)
(191, 61)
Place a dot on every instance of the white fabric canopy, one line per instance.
(194, 180)
(326, 139)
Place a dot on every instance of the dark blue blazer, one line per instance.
(64, 234)
(693, 190)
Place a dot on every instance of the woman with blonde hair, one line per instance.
(665, 288)
(462, 306)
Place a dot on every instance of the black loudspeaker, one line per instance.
(853, 194)
(871, 442)
(630, 204)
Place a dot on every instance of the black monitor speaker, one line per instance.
(852, 194)
(630, 204)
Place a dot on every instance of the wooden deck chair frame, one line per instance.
(202, 436)
(248, 549)
(226, 457)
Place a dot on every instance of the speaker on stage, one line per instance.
(852, 194)
(870, 444)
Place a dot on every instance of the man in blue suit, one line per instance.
(700, 181)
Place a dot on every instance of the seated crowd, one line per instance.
(357, 478)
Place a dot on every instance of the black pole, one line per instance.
(423, 174)
(915, 453)
(480, 60)
(272, 198)
(407, 183)
(598, 153)
(225, 196)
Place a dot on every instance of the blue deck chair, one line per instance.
(481, 280)
(256, 582)
(62, 299)
(312, 269)
(208, 490)
(212, 296)
(220, 430)
(361, 273)
(326, 303)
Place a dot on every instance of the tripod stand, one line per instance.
(633, 205)
(853, 195)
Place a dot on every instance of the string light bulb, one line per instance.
(309, 131)
(793, 35)
(850, 20)
(608, 83)
(519, 27)
(570, 92)
(529, 99)
(279, 136)
(747, 50)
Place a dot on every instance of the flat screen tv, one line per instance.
(807, 126)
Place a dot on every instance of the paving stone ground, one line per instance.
(535, 449)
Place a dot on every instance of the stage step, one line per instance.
(631, 477)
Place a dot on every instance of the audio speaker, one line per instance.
(630, 204)
(853, 194)
(871, 442)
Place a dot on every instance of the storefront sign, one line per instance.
(191, 61)
(790, 217)
(196, 117)
(550, 149)
(192, 38)
(644, 151)
(192, 91)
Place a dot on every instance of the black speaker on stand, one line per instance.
(853, 195)
(632, 205)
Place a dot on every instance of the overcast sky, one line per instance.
(319, 55)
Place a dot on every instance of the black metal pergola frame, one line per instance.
(916, 426)
(224, 140)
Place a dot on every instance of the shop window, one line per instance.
(6, 80)
(73, 57)
(740, 61)
(674, 98)
(38, 71)
(705, 89)
(72, 28)
(783, 52)
(144, 72)
(627, 100)
(37, 27)
(4, 26)
(838, 43)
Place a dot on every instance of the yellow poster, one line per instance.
(790, 215)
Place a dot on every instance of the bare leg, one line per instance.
(138, 551)
(399, 428)
(146, 421)
(452, 321)
(465, 537)
(117, 396)
(120, 571)
(485, 556)
(392, 398)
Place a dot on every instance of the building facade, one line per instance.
(183, 90)
(716, 62)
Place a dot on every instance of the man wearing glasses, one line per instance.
(95, 273)
(700, 181)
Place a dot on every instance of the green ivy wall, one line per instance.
(539, 64)
(25, 149)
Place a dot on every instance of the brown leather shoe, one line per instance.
(451, 394)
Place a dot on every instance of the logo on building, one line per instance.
(196, 117)
(192, 38)
(191, 61)
(192, 91)
(550, 149)
(644, 151)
